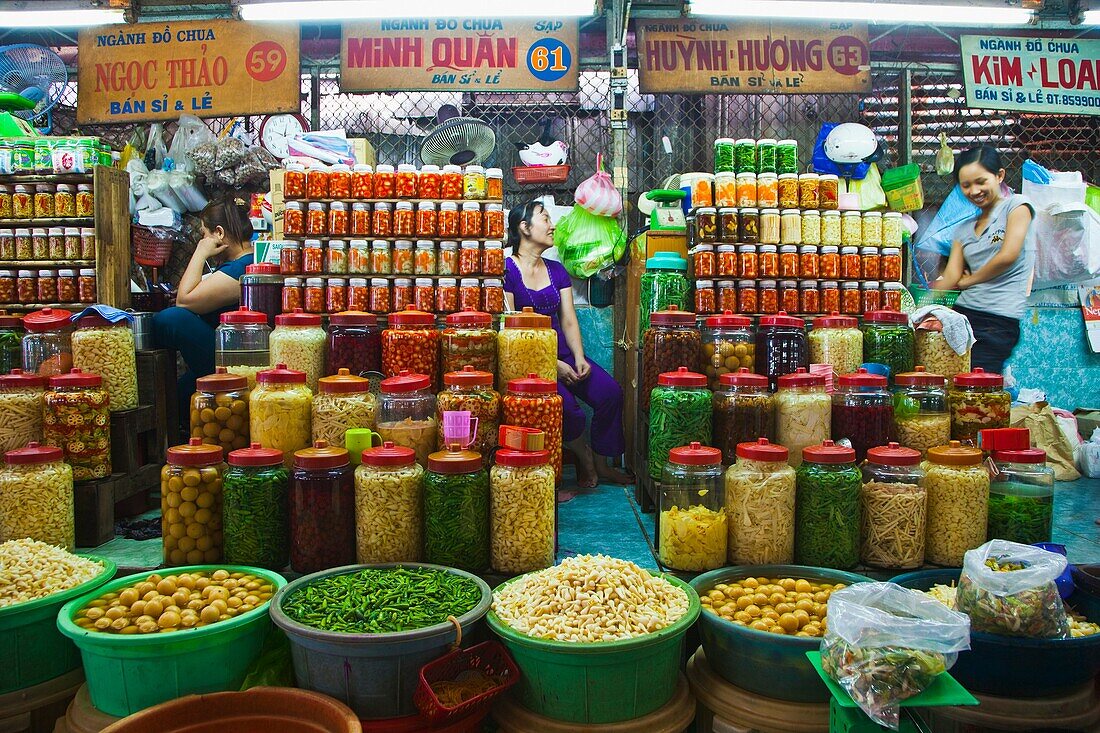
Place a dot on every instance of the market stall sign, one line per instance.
(727, 56)
(1032, 74)
(213, 68)
(460, 54)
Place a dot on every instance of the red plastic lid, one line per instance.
(885, 316)
(763, 450)
(532, 384)
(695, 454)
(322, 455)
(353, 318)
(862, 378)
(389, 454)
(47, 319)
(782, 319)
(243, 315)
(221, 381)
(977, 378)
(412, 317)
(1027, 455)
(919, 377)
(801, 378)
(406, 381)
(682, 377)
(262, 268)
(279, 374)
(527, 318)
(195, 453)
(828, 452)
(835, 320)
(454, 460)
(743, 378)
(521, 458)
(343, 382)
(76, 378)
(468, 377)
(19, 378)
(726, 320)
(672, 316)
(469, 318)
(7, 320)
(892, 454)
(297, 318)
(255, 455)
(34, 453)
(998, 439)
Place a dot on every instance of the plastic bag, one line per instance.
(945, 157)
(954, 210)
(869, 190)
(886, 643)
(1067, 232)
(191, 133)
(1008, 588)
(1088, 458)
(597, 194)
(588, 243)
(155, 150)
(274, 667)
(1046, 433)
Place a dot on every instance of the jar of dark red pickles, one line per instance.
(354, 343)
(830, 296)
(670, 342)
(863, 411)
(781, 346)
(262, 290)
(402, 293)
(748, 263)
(748, 220)
(744, 411)
(809, 297)
(706, 225)
(727, 223)
(322, 509)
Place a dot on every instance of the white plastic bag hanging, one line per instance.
(597, 194)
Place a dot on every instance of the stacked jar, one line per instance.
(279, 411)
(219, 410)
(191, 504)
(407, 414)
(663, 284)
(894, 507)
(728, 345)
(827, 507)
(21, 404)
(36, 496)
(468, 339)
(921, 416)
(343, 402)
(527, 345)
(802, 412)
(11, 342)
(781, 347)
(106, 348)
(692, 533)
(958, 503)
(389, 515)
(255, 509)
(411, 344)
(760, 505)
(744, 411)
(978, 401)
(242, 344)
(888, 340)
(77, 419)
(837, 341)
(534, 402)
(671, 341)
(322, 509)
(470, 390)
(354, 343)
(262, 290)
(298, 341)
(47, 346)
(456, 510)
(932, 350)
(1021, 497)
(522, 511)
(863, 411)
(680, 411)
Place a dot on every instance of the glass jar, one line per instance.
(810, 297)
(354, 342)
(921, 416)
(679, 413)
(293, 296)
(339, 222)
(492, 296)
(411, 343)
(494, 184)
(748, 300)
(664, 283)
(47, 347)
(760, 505)
(87, 244)
(746, 189)
(66, 287)
(851, 302)
(534, 402)
(47, 286)
(447, 262)
(219, 410)
(470, 390)
(44, 202)
(522, 511)
(728, 223)
(894, 508)
(888, 339)
(389, 488)
(728, 264)
(403, 257)
(407, 182)
(957, 483)
(744, 411)
(385, 183)
(872, 229)
(21, 404)
(829, 262)
(870, 263)
(298, 341)
(827, 507)
(811, 227)
(404, 219)
(362, 182)
(767, 190)
(829, 191)
(809, 193)
(451, 185)
(863, 411)
(872, 296)
(837, 341)
(474, 185)
(313, 295)
(77, 419)
(691, 521)
(748, 225)
(262, 290)
(379, 295)
(725, 188)
(407, 414)
(769, 296)
(336, 258)
(781, 346)
(446, 295)
(424, 258)
(727, 345)
(279, 411)
(313, 257)
(402, 294)
(726, 297)
(322, 509)
(470, 224)
(316, 183)
(107, 348)
(706, 300)
(788, 296)
(382, 220)
(423, 294)
(360, 220)
(526, 345)
(851, 229)
(831, 228)
(744, 155)
(706, 224)
(1021, 497)
(468, 339)
(22, 202)
(447, 220)
(788, 261)
(344, 402)
(294, 219)
(290, 258)
(748, 264)
(768, 260)
(26, 286)
(85, 200)
(56, 236)
(788, 190)
(456, 510)
(890, 266)
(191, 490)
(469, 258)
(673, 341)
(316, 219)
(931, 349)
(765, 156)
(891, 229)
(255, 509)
(978, 401)
(5, 202)
(802, 413)
(790, 226)
(36, 497)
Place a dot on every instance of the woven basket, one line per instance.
(152, 245)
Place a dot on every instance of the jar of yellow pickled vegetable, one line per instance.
(691, 523)
(526, 345)
(191, 504)
(280, 411)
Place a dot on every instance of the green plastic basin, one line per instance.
(758, 661)
(32, 648)
(130, 673)
(603, 682)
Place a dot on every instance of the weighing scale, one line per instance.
(668, 214)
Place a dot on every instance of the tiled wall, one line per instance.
(1054, 356)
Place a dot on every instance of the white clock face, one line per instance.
(277, 132)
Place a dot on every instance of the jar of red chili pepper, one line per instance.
(706, 300)
(382, 220)
(339, 181)
(316, 219)
(534, 402)
(748, 300)
(404, 220)
(492, 258)
(492, 296)
(336, 295)
(316, 183)
(788, 296)
(727, 295)
(294, 181)
(424, 294)
(851, 266)
(407, 182)
(77, 419)
(448, 219)
(830, 296)
(728, 264)
(747, 261)
(851, 301)
(469, 258)
(426, 219)
(469, 340)
(829, 261)
(360, 219)
(379, 295)
(294, 219)
(769, 296)
(402, 294)
(810, 297)
(470, 224)
(358, 294)
(430, 182)
(322, 509)
(891, 264)
(702, 260)
(863, 411)
(292, 294)
(313, 257)
(314, 295)
(411, 343)
(385, 183)
(362, 182)
(451, 187)
(446, 295)
(494, 220)
(872, 296)
(354, 342)
(469, 294)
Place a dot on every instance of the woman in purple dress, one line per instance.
(531, 281)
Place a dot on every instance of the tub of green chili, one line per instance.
(361, 633)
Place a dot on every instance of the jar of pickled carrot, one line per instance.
(339, 182)
(403, 257)
(338, 220)
(336, 295)
(408, 182)
(294, 181)
(424, 258)
(426, 219)
(451, 186)
(494, 184)
(448, 219)
(381, 262)
(385, 182)
(767, 190)
(447, 261)
(424, 294)
(379, 295)
(469, 258)
(446, 295)
(316, 219)
(313, 257)
(492, 296)
(430, 182)
(402, 294)
(469, 294)
(358, 294)
(492, 258)
(362, 182)
(470, 223)
(294, 219)
(360, 219)
(494, 221)
(404, 220)
(317, 183)
(725, 190)
(382, 219)
(746, 190)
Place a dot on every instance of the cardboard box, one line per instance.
(1088, 419)
(363, 151)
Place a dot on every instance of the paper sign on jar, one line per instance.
(209, 68)
(460, 54)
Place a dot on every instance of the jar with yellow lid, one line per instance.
(343, 402)
(474, 184)
(957, 483)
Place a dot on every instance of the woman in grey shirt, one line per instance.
(992, 257)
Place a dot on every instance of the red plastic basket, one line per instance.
(488, 657)
(152, 245)
(540, 174)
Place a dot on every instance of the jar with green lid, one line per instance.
(471, 390)
(921, 417)
(827, 507)
(299, 342)
(191, 493)
(1021, 497)
(343, 402)
(803, 412)
(728, 345)
(760, 501)
(77, 419)
(456, 510)
(279, 411)
(679, 413)
(522, 511)
(255, 509)
(888, 339)
(322, 509)
(671, 341)
(21, 402)
(978, 401)
(837, 341)
(692, 534)
(219, 410)
(36, 496)
(957, 483)
(931, 350)
(389, 515)
(894, 508)
(11, 342)
(106, 348)
(526, 345)
(664, 283)
(744, 411)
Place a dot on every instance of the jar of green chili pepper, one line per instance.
(322, 509)
(255, 513)
(663, 283)
(888, 339)
(1021, 497)
(679, 414)
(11, 342)
(828, 484)
(456, 510)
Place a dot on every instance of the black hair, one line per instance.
(984, 155)
(521, 215)
(231, 214)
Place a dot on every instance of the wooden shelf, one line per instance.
(371, 238)
(328, 276)
(23, 264)
(414, 202)
(68, 221)
(39, 306)
(21, 178)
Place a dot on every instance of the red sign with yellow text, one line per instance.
(732, 56)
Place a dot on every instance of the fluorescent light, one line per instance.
(1091, 17)
(337, 10)
(60, 19)
(870, 12)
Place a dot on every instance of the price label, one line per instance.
(549, 59)
(265, 61)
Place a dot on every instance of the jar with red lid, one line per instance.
(317, 183)
(279, 410)
(534, 402)
(781, 346)
(314, 295)
(470, 223)
(336, 295)
(262, 290)
(747, 261)
(426, 219)
(671, 341)
(424, 294)
(872, 296)
(47, 345)
(523, 511)
(851, 266)
(727, 295)
(978, 401)
(47, 287)
(292, 295)
(316, 219)
(871, 266)
(191, 499)
(404, 220)
(706, 300)
(469, 258)
(727, 346)
(294, 181)
(827, 504)
(446, 295)
(322, 509)
(408, 182)
(448, 219)
(703, 261)
(830, 296)
(468, 339)
(680, 409)
(863, 411)
(360, 219)
(691, 522)
(728, 263)
(255, 509)
(494, 221)
(362, 182)
(469, 294)
(492, 258)
(402, 294)
(339, 181)
(429, 182)
(77, 419)
(382, 220)
(851, 300)
(768, 293)
(471, 390)
(768, 258)
(809, 297)
(451, 186)
(86, 285)
(788, 296)
(36, 496)
(385, 183)
(922, 419)
(447, 261)
(407, 415)
(808, 262)
(748, 300)
(359, 296)
(527, 344)
(313, 257)
(403, 257)
(389, 493)
(744, 411)
(380, 295)
(891, 264)
(893, 508)
(411, 343)
(492, 296)
(760, 489)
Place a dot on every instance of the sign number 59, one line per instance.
(549, 59)
(265, 61)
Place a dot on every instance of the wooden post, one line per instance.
(112, 236)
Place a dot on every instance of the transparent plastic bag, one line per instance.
(190, 133)
(1008, 588)
(886, 643)
(945, 157)
(588, 243)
